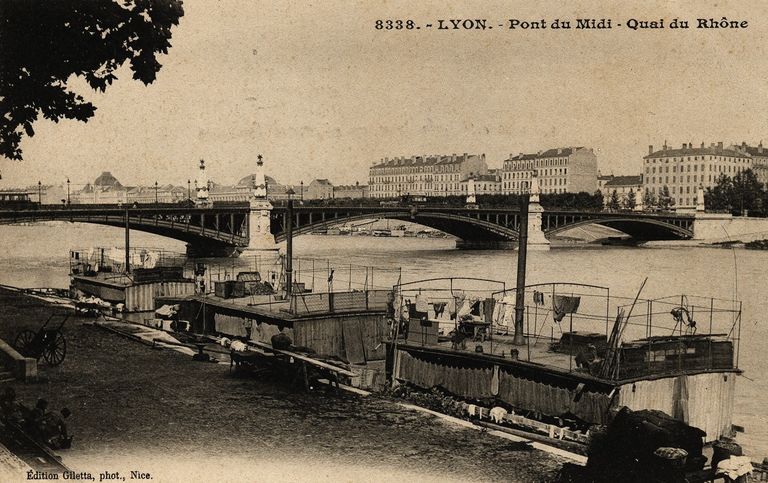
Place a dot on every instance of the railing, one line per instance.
(574, 327)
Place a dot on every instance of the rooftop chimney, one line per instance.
(702, 145)
(650, 149)
(760, 147)
(720, 145)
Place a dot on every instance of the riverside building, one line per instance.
(559, 170)
(431, 175)
(759, 161)
(623, 186)
(683, 170)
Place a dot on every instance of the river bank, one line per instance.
(139, 408)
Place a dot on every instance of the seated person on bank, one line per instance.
(54, 430)
(11, 411)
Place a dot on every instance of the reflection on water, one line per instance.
(34, 256)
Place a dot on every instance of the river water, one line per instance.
(37, 256)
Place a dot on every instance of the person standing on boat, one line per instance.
(586, 357)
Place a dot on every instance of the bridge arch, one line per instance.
(639, 228)
(477, 229)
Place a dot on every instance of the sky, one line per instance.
(320, 93)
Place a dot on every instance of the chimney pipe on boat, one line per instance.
(522, 252)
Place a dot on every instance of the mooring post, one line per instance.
(522, 252)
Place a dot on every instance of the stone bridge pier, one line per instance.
(259, 220)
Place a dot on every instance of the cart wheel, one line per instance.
(57, 350)
(22, 342)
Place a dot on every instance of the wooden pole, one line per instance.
(522, 252)
(289, 250)
(127, 242)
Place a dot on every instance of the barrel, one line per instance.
(670, 463)
(722, 450)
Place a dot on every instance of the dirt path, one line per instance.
(129, 400)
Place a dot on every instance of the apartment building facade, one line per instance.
(559, 170)
(432, 175)
(683, 170)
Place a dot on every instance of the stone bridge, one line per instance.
(486, 227)
(231, 228)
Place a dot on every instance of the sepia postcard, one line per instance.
(267, 241)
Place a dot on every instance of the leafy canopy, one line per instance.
(43, 43)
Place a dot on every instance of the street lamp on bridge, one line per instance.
(302, 191)
(189, 190)
(67, 191)
(156, 192)
(39, 193)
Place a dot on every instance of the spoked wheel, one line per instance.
(57, 350)
(22, 342)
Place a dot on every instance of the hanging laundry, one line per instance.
(509, 312)
(538, 297)
(498, 312)
(439, 308)
(488, 308)
(464, 307)
(422, 303)
(562, 305)
(502, 317)
(476, 308)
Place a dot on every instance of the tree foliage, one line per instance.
(665, 200)
(567, 201)
(736, 194)
(44, 43)
(649, 200)
(630, 201)
(613, 201)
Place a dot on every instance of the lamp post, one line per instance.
(156, 193)
(39, 193)
(189, 190)
(67, 191)
(302, 191)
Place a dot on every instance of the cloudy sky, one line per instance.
(320, 92)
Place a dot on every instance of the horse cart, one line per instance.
(47, 343)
